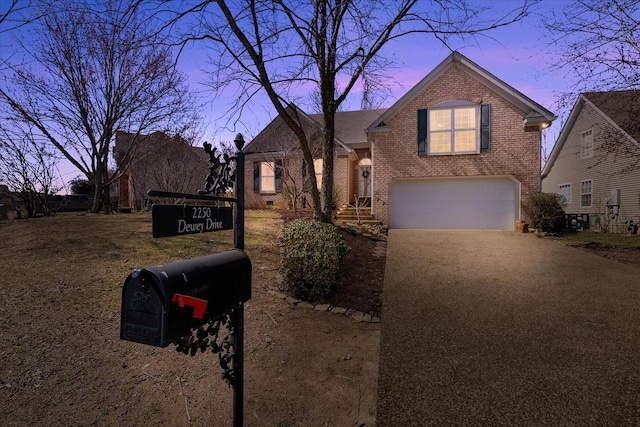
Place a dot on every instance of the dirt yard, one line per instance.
(62, 362)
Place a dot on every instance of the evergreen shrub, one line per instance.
(311, 259)
(545, 211)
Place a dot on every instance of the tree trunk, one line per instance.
(327, 167)
(308, 158)
(106, 198)
(97, 199)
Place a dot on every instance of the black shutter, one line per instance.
(278, 174)
(256, 177)
(423, 128)
(485, 127)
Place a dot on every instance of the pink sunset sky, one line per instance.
(518, 54)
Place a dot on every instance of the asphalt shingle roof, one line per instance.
(623, 107)
(350, 125)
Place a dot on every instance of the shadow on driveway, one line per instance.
(499, 328)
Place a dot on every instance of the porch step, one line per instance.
(350, 214)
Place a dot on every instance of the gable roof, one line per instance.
(621, 109)
(271, 139)
(349, 131)
(536, 113)
(350, 126)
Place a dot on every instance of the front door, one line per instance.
(364, 181)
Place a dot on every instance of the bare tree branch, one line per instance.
(279, 46)
(599, 43)
(97, 69)
(28, 168)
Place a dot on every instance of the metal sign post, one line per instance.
(238, 314)
(175, 220)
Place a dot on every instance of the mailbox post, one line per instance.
(238, 313)
(238, 212)
(162, 304)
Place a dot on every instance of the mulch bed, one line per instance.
(361, 277)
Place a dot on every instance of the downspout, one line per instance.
(373, 172)
(540, 160)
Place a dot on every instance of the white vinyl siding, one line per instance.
(603, 172)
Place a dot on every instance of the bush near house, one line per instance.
(545, 211)
(311, 259)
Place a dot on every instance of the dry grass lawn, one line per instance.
(64, 364)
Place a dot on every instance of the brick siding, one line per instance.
(513, 151)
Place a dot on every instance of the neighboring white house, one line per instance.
(595, 163)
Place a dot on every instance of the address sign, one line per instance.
(176, 220)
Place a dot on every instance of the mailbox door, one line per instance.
(143, 317)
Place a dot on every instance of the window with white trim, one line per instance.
(564, 190)
(586, 190)
(454, 130)
(586, 144)
(454, 127)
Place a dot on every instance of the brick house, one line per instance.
(461, 149)
(594, 164)
(276, 175)
(158, 162)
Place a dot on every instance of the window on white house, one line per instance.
(317, 167)
(586, 144)
(586, 190)
(564, 190)
(454, 130)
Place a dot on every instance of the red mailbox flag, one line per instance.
(199, 305)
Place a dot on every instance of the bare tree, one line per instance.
(28, 169)
(613, 145)
(7, 11)
(598, 41)
(275, 46)
(15, 14)
(97, 68)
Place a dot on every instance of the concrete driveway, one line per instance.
(499, 328)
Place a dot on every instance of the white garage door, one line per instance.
(454, 203)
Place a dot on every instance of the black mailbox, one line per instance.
(163, 303)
